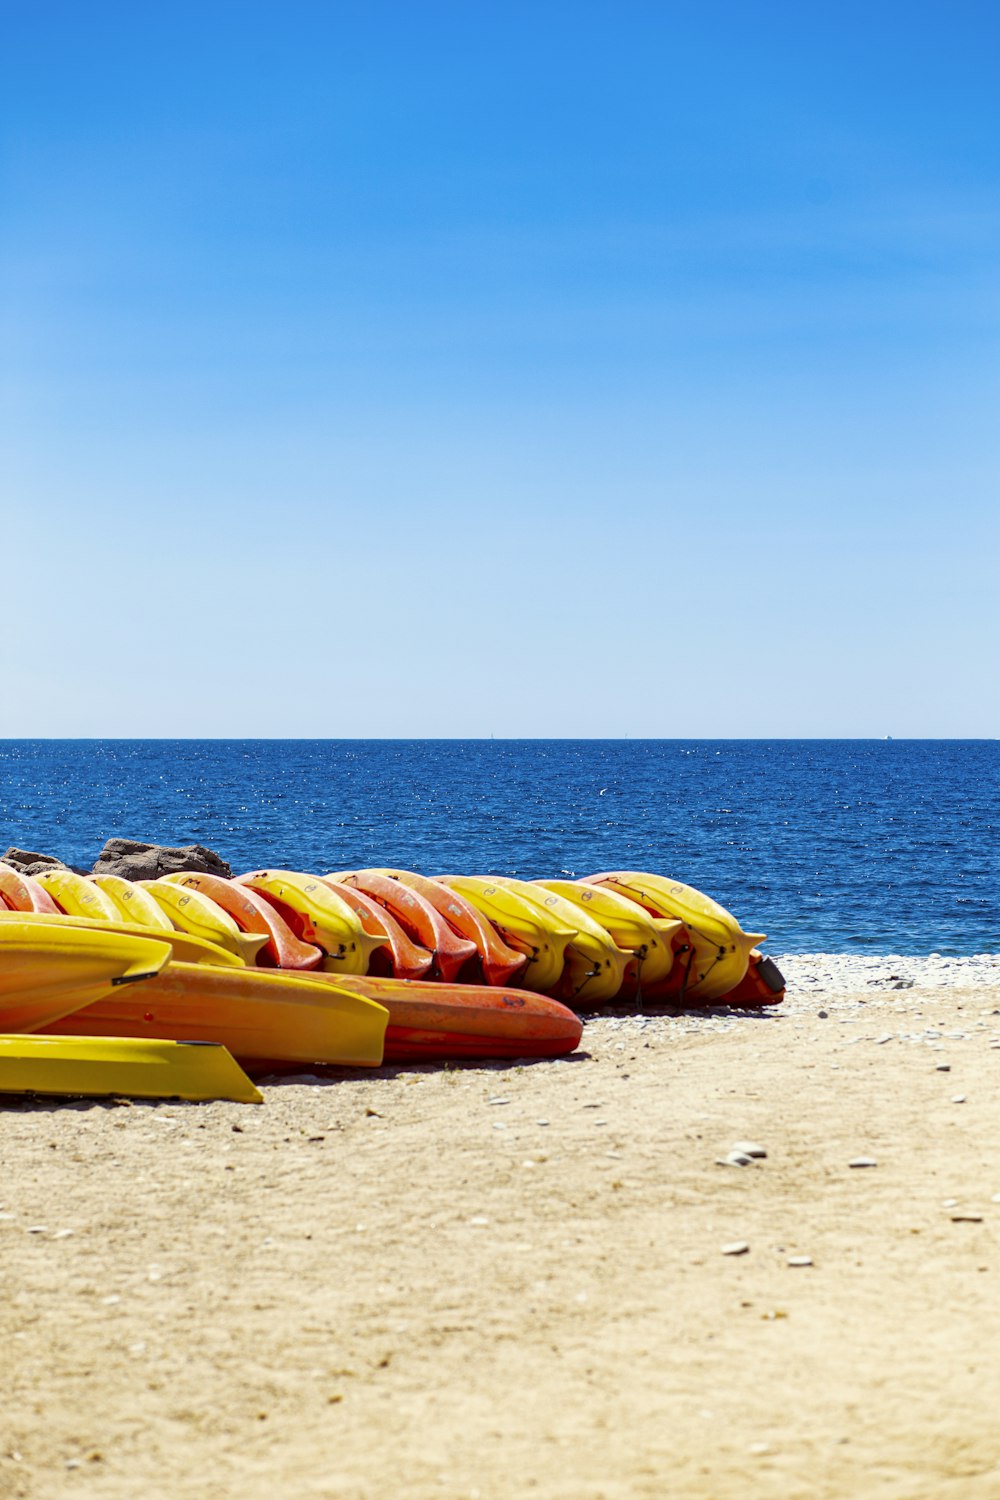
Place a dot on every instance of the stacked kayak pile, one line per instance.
(354, 968)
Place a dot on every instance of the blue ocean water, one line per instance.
(827, 845)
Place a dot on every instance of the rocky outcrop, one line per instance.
(27, 863)
(135, 861)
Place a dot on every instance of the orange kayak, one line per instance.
(253, 913)
(23, 893)
(421, 921)
(431, 1022)
(404, 959)
(499, 962)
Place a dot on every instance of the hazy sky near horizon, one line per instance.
(529, 369)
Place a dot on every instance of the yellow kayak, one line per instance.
(133, 903)
(263, 1016)
(649, 939)
(195, 913)
(595, 964)
(182, 945)
(316, 914)
(49, 968)
(523, 926)
(720, 948)
(77, 896)
(117, 1065)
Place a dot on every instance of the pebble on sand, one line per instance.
(863, 1161)
(738, 1247)
(748, 1148)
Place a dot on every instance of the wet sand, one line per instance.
(510, 1280)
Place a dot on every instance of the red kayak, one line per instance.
(433, 1022)
(23, 893)
(404, 959)
(422, 922)
(498, 962)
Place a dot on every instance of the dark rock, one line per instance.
(135, 861)
(27, 863)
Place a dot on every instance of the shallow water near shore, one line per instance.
(833, 846)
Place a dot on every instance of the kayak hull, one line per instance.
(133, 903)
(419, 919)
(720, 949)
(404, 958)
(48, 970)
(522, 926)
(498, 963)
(316, 914)
(182, 945)
(762, 984)
(439, 1022)
(192, 912)
(23, 893)
(254, 914)
(65, 1065)
(261, 1015)
(76, 895)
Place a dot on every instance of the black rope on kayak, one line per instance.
(687, 976)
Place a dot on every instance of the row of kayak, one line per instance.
(616, 936)
(68, 975)
(186, 986)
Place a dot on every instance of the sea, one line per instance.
(828, 846)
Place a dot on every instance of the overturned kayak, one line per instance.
(595, 966)
(419, 919)
(181, 945)
(261, 1015)
(720, 949)
(134, 904)
(522, 925)
(495, 961)
(253, 913)
(23, 893)
(652, 941)
(399, 956)
(438, 1022)
(48, 969)
(192, 912)
(317, 914)
(762, 984)
(76, 1066)
(76, 895)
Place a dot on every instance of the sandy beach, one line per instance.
(513, 1280)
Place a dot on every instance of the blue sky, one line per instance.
(451, 369)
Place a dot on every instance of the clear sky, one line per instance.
(512, 368)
